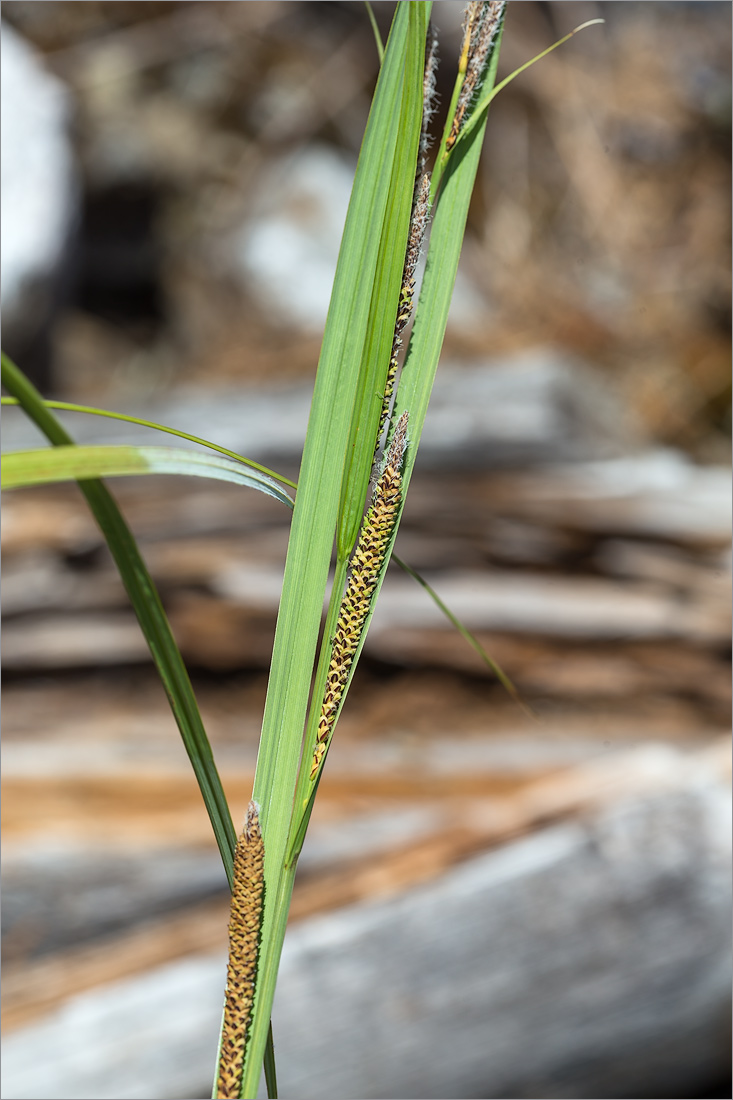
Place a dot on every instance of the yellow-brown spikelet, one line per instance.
(366, 565)
(245, 922)
(471, 17)
(480, 27)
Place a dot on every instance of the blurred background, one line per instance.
(493, 900)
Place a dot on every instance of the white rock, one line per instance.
(38, 183)
(288, 252)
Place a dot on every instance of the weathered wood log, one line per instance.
(588, 959)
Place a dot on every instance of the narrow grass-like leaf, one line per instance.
(365, 424)
(317, 505)
(423, 353)
(11, 480)
(464, 632)
(446, 238)
(73, 463)
(151, 616)
(482, 106)
(384, 302)
(375, 31)
(426, 340)
(270, 1071)
(68, 406)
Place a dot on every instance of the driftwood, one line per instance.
(587, 959)
(580, 883)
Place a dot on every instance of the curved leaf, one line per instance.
(74, 463)
(485, 100)
(464, 632)
(69, 406)
(150, 613)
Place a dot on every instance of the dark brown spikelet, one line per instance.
(366, 565)
(418, 223)
(245, 922)
(479, 32)
(428, 96)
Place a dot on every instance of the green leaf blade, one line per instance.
(446, 238)
(384, 304)
(316, 513)
(478, 112)
(418, 374)
(79, 463)
(68, 406)
(151, 616)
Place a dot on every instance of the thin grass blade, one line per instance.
(317, 507)
(375, 31)
(384, 301)
(464, 632)
(423, 353)
(151, 616)
(446, 238)
(74, 463)
(68, 406)
(483, 103)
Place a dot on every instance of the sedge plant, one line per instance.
(367, 414)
